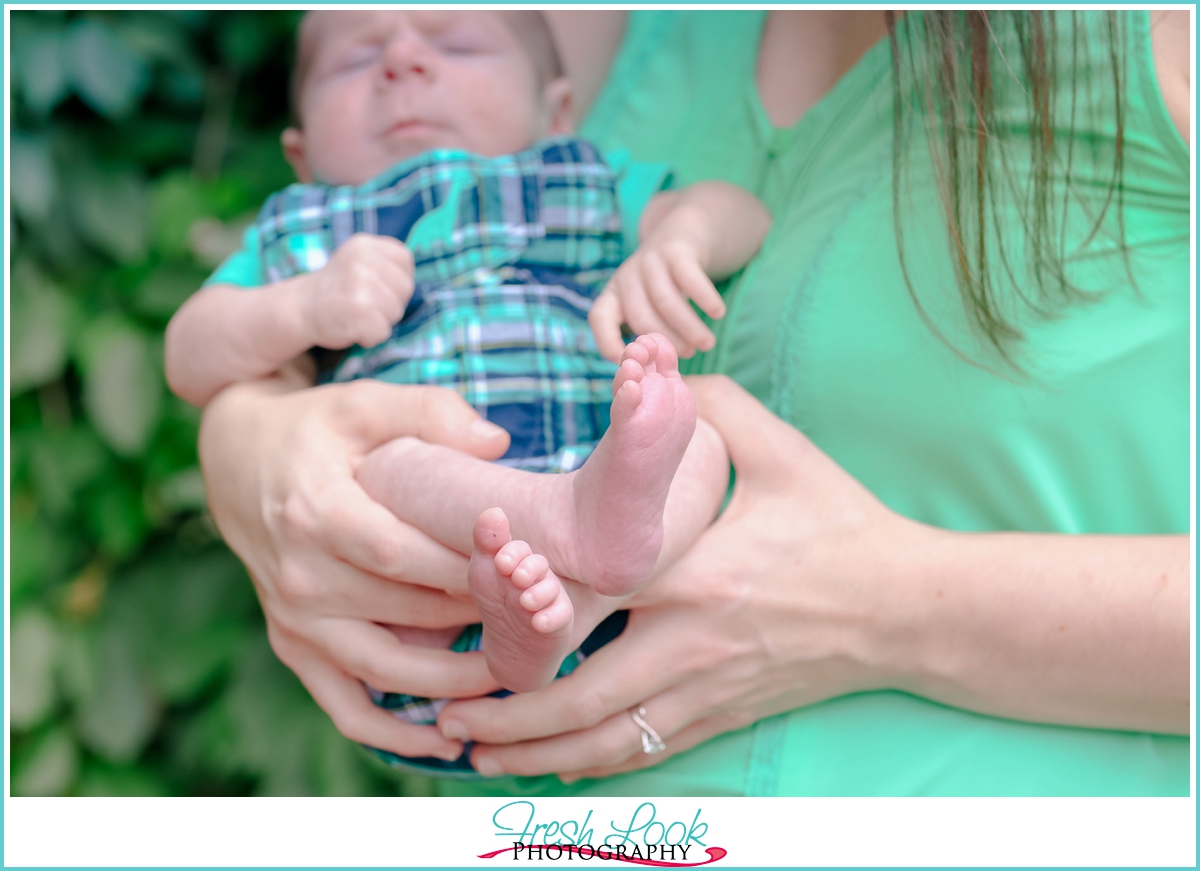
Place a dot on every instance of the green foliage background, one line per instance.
(142, 142)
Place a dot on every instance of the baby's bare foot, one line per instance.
(620, 492)
(527, 615)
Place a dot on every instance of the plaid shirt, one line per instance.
(510, 252)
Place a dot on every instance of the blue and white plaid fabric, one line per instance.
(510, 252)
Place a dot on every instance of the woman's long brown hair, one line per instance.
(946, 68)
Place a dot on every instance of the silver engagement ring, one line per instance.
(652, 742)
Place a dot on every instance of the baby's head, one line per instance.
(372, 88)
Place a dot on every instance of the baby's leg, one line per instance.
(532, 618)
(601, 525)
(604, 529)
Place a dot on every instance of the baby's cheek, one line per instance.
(506, 114)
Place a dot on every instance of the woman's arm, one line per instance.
(329, 564)
(1171, 35)
(587, 44)
(808, 588)
(1080, 630)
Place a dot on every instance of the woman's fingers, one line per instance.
(346, 702)
(615, 678)
(375, 656)
(362, 532)
(373, 412)
(685, 739)
(314, 584)
(611, 742)
(605, 319)
(754, 437)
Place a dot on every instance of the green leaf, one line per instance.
(40, 314)
(177, 203)
(110, 210)
(50, 767)
(243, 40)
(184, 491)
(182, 669)
(41, 63)
(155, 38)
(34, 646)
(116, 516)
(122, 388)
(62, 462)
(339, 765)
(165, 290)
(36, 556)
(106, 73)
(118, 716)
(122, 780)
(34, 180)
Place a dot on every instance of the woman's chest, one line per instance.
(883, 372)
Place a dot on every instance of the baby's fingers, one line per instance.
(605, 320)
(643, 318)
(697, 286)
(687, 332)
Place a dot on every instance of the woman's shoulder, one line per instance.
(1170, 36)
(680, 76)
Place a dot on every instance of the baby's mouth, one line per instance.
(412, 128)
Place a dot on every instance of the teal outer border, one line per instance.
(284, 3)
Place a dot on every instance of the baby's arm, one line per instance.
(226, 333)
(690, 238)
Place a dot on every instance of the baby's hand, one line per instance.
(360, 294)
(650, 291)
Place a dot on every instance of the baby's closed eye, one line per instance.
(354, 58)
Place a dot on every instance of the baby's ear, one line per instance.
(560, 106)
(293, 149)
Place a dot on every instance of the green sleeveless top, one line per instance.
(1090, 436)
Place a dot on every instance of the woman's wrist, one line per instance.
(1074, 630)
(889, 611)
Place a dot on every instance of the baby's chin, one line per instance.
(364, 169)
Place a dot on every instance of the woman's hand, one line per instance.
(807, 587)
(328, 563)
(726, 636)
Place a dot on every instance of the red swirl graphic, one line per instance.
(714, 854)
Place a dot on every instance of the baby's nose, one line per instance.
(406, 54)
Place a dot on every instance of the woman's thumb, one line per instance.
(757, 440)
(381, 412)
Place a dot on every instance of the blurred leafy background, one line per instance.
(142, 143)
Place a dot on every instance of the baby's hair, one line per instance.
(529, 26)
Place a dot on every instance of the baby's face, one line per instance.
(383, 86)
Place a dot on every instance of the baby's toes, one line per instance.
(665, 359)
(625, 402)
(531, 570)
(491, 531)
(638, 352)
(630, 370)
(509, 557)
(541, 594)
(557, 615)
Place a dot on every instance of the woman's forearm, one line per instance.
(1069, 629)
